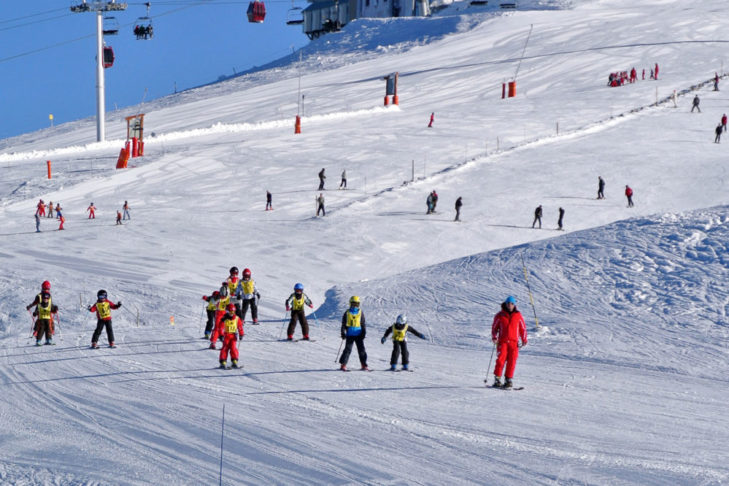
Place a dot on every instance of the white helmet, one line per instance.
(402, 319)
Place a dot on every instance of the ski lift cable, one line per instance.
(17, 26)
(33, 15)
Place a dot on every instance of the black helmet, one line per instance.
(101, 294)
(234, 270)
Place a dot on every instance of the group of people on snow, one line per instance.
(41, 213)
(621, 77)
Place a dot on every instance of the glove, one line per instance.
(288, 308)
(493, 341)
(27, 307)
(344, 336)
(422, 336)
(205, 298)
(118, 304)
(240, 336)
(311, 306)
(89, 308)
(383, 340)
(258, 296)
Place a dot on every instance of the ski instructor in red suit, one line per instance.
(506, 331)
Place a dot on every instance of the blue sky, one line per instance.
(47, 54)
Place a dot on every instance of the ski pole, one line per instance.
(529, 289)
(32, 324)
(340, 348)
(201, 318)
(315, 319)
(283, 325)
(57, 327)
(491, 358)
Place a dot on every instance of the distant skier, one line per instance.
(320, 205)
(322, 178)
(125, 208)
(50, 209)
(58, 211)
(343, 182)
(231, 284)
(643, 78)
(561, 218)
(103, 307)
(212, 301)
(723, 121)
(538, 216)
(40, 208)
(295, 303)
(269, 201)
(232, 331)
(718, 130)
(716, 81)
(506, 331)
(695, 105)
(629, 195)
(119, 217)
(92, 211)
(432, 119)
(429, 203)
(600, 187)
(62, 220)
(656, 71)
(37, 223)
(354, 330)
(399, 332)
(459, 203)
(435, 199)
(249, 294)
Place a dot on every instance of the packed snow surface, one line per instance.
(625, 379)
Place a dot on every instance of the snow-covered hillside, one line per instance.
(625, 381)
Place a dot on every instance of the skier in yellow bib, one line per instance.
(399, 332)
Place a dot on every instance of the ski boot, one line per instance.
(112, 345)
(343, 367)
(207, 336)
(212, 346)
(235, 363)
(289, 338)
(508, 383)
(38, 342)
(49, 341)
(255, 322)
(497, 382)
(393, 367)
(404, 367)
(305, 338)
(94, 346)
(364, 368)
(222, 365)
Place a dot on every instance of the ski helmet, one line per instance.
(299, 286)
(230, 308)
(216, 294)
(45, 295)
(246, 273)
(510, 300)
(354, 300)
(234, 270)
(46, 285)
(402, 319)
(101, 294)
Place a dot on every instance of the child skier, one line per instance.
(247, 291)
(232, 283)
(399, 332)
(91, 209)
(103, 307)
(223, 301)
(212, 301)
(118, 217)
(44, 310)
(232, 331)
(295, 303)
(354, 331)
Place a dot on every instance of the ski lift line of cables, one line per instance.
(17, 26)
(33, 15)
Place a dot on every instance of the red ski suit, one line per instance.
(507, 329)
(232, 328)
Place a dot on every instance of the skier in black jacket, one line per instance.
(399, 332)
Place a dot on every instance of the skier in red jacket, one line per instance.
(506, 331)
(232, 331)
(629, 195)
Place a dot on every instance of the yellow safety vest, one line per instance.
(399, 334)
(354, 320)
(231, 324)
(298, 304)
(44, 312)
(212, 304)
(223, 303)
(232, 285)
(103, 309)
(248, 286)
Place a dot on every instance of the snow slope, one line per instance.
(625, 380)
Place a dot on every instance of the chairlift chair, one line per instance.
(295, 15)
(111, 26)
(143, 28)
(108, 60)
(256, 12)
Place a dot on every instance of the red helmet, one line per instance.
(230, 308)
(46, 285)
(216, 294)
(246, 273)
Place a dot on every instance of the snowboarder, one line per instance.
(295, 303)
(45, 311)
(506, 331)
(459, 203)
(629, 195)
(91, 209)
(718, 130)
(399, 332)
(343, 183)
(119, 217)
(432, 119)
(40, 208)
(126, 211)
(561, 217)
(723, 121)
(232, 331)
(600, 187)
(50, 209)
(247, 291)
(322, 177)
(103, 307)
(354, 331)
(696, 104)
(269, 201)
(538, 216)
(212, 301)
(37, 222)
(320, 205)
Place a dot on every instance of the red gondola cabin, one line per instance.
(108, 57)
(256, 12)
